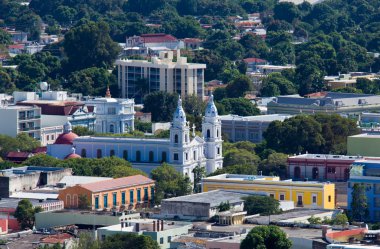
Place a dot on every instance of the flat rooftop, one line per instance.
(259, 118)
(168, 225)
(259, 179)
(17, 107)
(327, 156)
(27, 170)
(214, 198)
(75, 180)
(367, 135)
(13, 202)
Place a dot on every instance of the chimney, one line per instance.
(154, 226)
(158, 225)
(162, 225)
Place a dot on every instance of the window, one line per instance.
(208, 133)
(186, 139)
(96, 202)
(176, 138)
(112, 128)
(112, 152)
(282, 197)
(152, 193)
(169, 238)
(138, 194)
(83, 153)
(218, 151)
(125, 155)
(161, 240)
(151, 156)
(112, 110)
(186, 156)
(163, 156)
(105, 201)
(138, 156)
(314, 199)
(99, 153)
(217, 133)
(329, 198)
(114, 198)
(146, 194)
(194, 155)
(131, 197)
(331, 170)
(175, 156)
(123, 198)
(271, 195)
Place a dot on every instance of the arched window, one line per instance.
(315, 173)
(125, 155)
(217, 132)
(138, 156)
(99, 153)
(346, 174)
(112, 128)
(176, 138)
(68, 201)
(297, 172)
(163, 156)
(112, 153)
(208, 133)
(186, 138)
(75, 201)
(151, 156)
(83, 153)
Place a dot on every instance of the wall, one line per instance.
(301, 243)
(185, 210)
(9, 122)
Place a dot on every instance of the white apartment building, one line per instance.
(17, 119)
(162, 74)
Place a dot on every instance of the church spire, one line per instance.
(211, 110)
(179, 114)
(108, 92)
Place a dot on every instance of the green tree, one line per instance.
(129, 240)
(6, 83)
(276, 84)
(5, 37)
(359, 205)
(199, 172)
(161, 104)
(82, 131)
(266, 237)
(170, 183)
(239, 106)
(265, 205)
(89, 45)
(224, 206)
(86, 241)
(286, 11)
(275, 164)
(340, 219)
(314, 220)
(239, 86)
(25, 214)
(83, 202)
(240, 157)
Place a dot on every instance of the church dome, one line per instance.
(211, 110)
(67, 137)
(72, 155)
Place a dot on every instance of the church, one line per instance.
(184, 150)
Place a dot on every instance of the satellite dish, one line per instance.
(44, 86)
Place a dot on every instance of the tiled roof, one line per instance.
(16, 46)
(189, 40)
(117, 183)
(54, 239)
(157, 38)
(18, 154)
(55, 108)
(254, 60)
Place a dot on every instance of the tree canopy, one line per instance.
(25, 214)
(266, 237)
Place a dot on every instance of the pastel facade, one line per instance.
(367, 173)
(128, 192)
(303, 194)
(162, 74)
(320, 167)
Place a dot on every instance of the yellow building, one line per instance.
(304, 194)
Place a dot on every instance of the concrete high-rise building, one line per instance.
(160, 74)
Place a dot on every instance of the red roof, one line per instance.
(55, 108)
(157, 38)
(254, 60)
(142, 114)
(316, 95)
(16, 46)
(117, 183)
(18, 156)
(192, 40)
(40, 150)
(72, 156)
(66, 138)
(58, 238)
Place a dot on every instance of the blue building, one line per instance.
(368, 173)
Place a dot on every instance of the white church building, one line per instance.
(182, 150)
(113, 115)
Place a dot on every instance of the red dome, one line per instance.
(72, 155)
(66, 138)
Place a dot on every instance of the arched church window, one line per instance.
(208, 133)
(138, 156)
(99, 153)
(151, 156)
(83, 153)
(176, 138)
(112, 128)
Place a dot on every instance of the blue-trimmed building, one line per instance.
(368, 173)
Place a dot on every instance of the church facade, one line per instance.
(184, 150)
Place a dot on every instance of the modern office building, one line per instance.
(321, 167)
(113, 115)
(184, 150)
(137, 77)
(18, 119)
(119, 194)
(366, 144)
(308, 194)
(327, 102)
(250, 128)
(367, 173)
